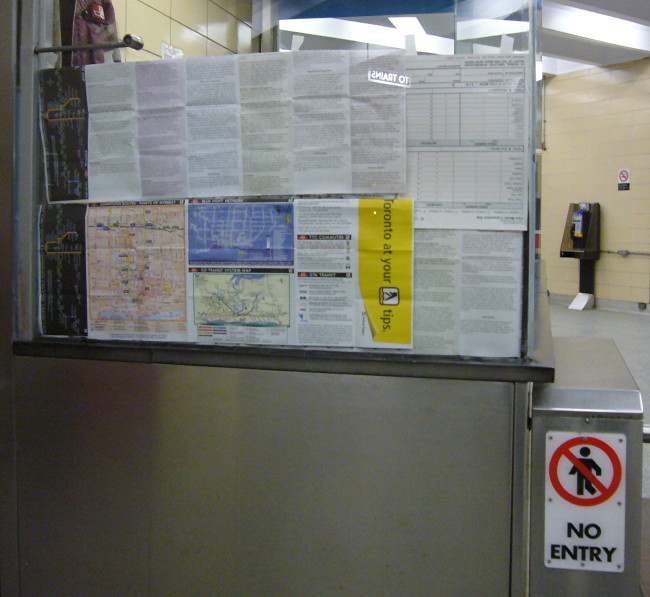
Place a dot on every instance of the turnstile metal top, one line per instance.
(591, 379)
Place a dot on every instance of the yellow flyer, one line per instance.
(386, 269)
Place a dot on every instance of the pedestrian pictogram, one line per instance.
(584, 514)
(583, 480)
(582, 484)
(388, 296)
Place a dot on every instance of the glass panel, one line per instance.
(443, 27)
(492, 27)
(459, 27)
(455, 142)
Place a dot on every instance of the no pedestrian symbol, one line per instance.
(584, 513)
(586, 489)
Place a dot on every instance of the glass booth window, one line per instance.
(369, 192)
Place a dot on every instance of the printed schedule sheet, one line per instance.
(467, 140)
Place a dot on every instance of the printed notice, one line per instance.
(376, 113)
(214, 158)
(327, 272)
(584, 509)
(113, 148)
(321, 136)
(162, 134)
(273, 124)
(468, 286)
(467, 141)
(265, 88)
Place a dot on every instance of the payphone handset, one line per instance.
(580, 224)
(578, 219)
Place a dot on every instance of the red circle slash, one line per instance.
(605, 492)
(623, 175)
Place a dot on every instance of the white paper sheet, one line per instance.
(327, 272)
(113, 148)
(468, 287)
(321, 122)
(305, 123)
(376, 113)
(162, 130)
(467, 141)
(213, 127)
(265, 87)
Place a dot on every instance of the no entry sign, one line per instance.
(584, 527)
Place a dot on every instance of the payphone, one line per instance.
(581, 240)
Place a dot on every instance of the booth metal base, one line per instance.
(146, 479)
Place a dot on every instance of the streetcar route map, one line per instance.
(241, 233)
(136, 271)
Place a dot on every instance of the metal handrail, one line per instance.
(646, 434)
(128, 41)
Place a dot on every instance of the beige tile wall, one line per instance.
(598, 122)
(198, 27)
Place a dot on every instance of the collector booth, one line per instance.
(277, 319)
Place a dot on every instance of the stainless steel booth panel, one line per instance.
(593, 393)
(141, 479)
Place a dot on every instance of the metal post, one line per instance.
(587, 276)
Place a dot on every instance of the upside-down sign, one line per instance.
(584, 526)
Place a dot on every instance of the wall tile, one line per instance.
(152, 26)
(597, 123)
(642, 131)
(222, 27)
(626, 103)
(613, 293)
(191, 13)
(622, 148)
(641, 147)
(214, 49)
(244, 38)
(641, 116)
(640, 239)
(163, 6)
(188, 40)
(129, 55)
(242, 9)
(622, 75)
(120, 16)
(620, 134)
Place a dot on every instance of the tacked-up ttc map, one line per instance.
(241, 233)
(136, 271)
(260, 299)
